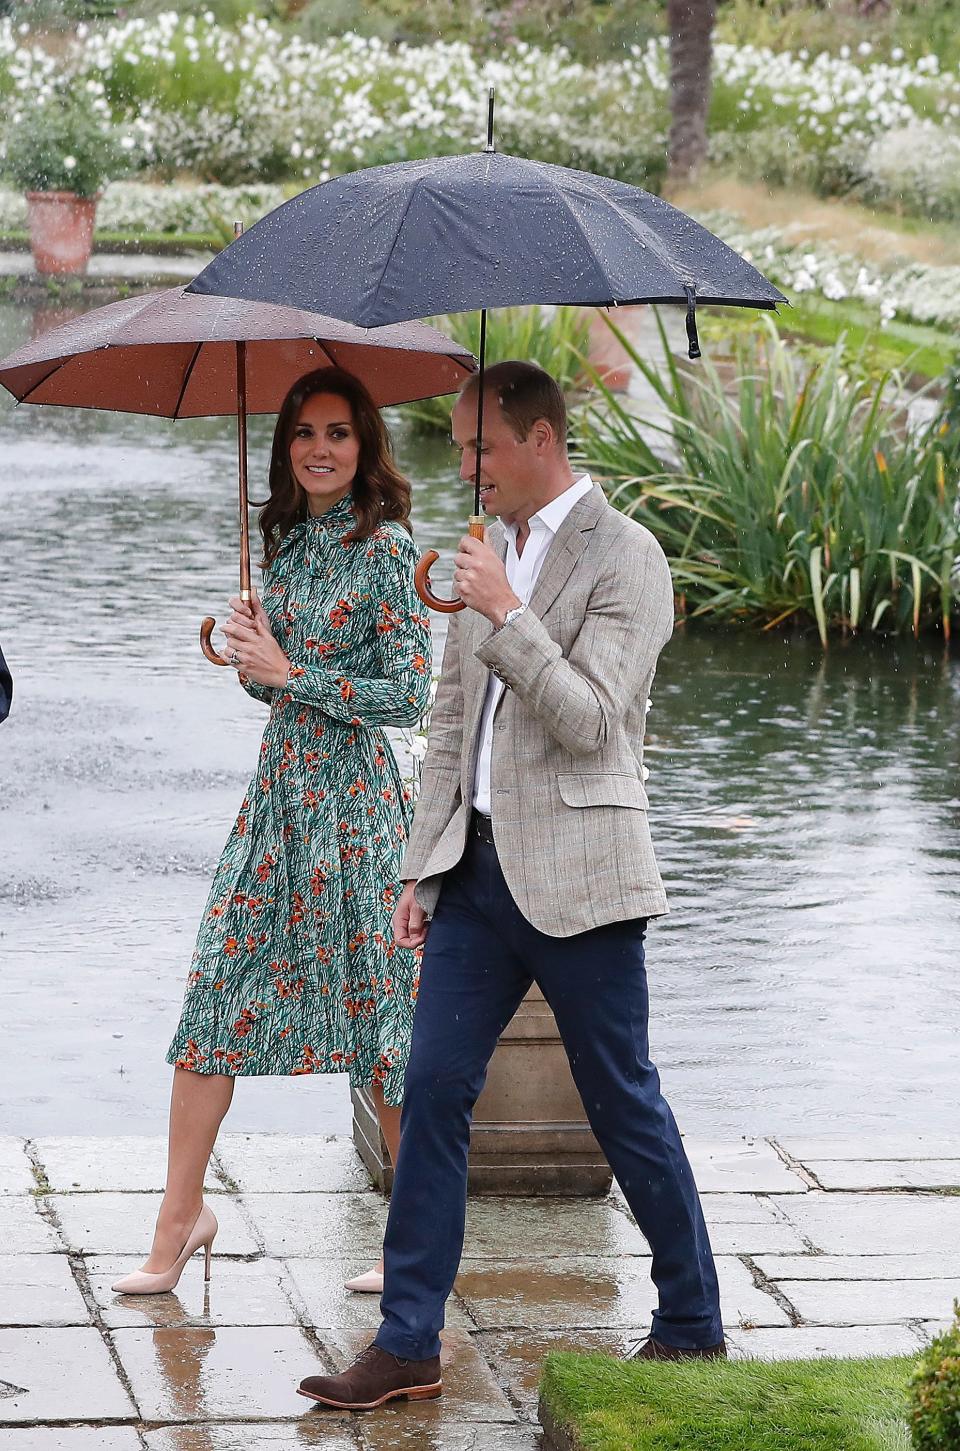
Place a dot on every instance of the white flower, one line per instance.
(69, 163)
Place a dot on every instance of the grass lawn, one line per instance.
(598, 1403)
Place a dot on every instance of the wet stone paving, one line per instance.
(825, 1246)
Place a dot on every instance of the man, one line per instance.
(531, 849)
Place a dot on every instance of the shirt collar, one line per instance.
(552, 515)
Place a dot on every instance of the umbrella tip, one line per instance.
(491, 103)
(237, 230)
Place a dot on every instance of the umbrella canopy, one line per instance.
(173, 354)
(456, 233)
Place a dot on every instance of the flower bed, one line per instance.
(257, 104)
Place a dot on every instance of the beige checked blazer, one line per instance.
(569, 807)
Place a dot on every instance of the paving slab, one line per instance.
(39, 1289)
(239, 1293)
(319, 1284)
(813, 1342)
(16, 1176)
(752, 1166)
(930, 1265)
(128, 1163)
(332, 1434)
(320, 1164)
(470, 1391)
(122, 1224)
(91, 1391)
(874, 1223)
(886, 1173)
(870, 1302)
(22, 1224)
(323, 1225)
(593, 1292)
(70, 1438)
(895, 1146)
(526, 1229)
(740, 1224)
(219, 1374)
(406, 1431)
(516, 1357)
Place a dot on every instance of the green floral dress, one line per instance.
(295, 969)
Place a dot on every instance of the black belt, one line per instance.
(482, 827)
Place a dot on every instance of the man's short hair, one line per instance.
(525, 393)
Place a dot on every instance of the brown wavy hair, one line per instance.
(380, 491)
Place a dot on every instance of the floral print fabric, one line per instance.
(295, 969)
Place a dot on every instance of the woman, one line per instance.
(295, 970)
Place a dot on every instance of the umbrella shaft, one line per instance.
(483, 354)
(245, 592)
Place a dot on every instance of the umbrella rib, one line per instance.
(186, 379)
(396, 238)
(60, 363)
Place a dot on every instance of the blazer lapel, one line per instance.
(566, 549)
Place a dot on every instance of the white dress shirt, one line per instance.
(522, 572)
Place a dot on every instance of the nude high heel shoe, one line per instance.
(142, 1283)
(370, 1283)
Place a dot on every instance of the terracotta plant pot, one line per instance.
(61, 231)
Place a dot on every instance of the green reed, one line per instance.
(555, 338)
(796, 492)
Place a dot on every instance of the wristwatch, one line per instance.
(511, 615)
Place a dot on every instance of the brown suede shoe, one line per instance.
(653, 1350)
(375, 1377)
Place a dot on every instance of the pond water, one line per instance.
(806, 811)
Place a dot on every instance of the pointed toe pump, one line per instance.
(202, 1235)
(370, 1283)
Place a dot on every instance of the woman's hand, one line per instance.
(251, 648)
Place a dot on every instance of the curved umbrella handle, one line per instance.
(421, 575)
(206, 630)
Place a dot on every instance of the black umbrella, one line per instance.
(455, 233)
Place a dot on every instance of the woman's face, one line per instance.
(324, 450)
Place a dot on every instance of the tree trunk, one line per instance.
(691, 32)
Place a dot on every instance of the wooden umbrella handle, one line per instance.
(206, 630)
(421, 577)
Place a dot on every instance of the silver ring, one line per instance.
(234, 659)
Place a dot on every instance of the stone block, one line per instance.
(870, 1302)
(287, 1163)
(16, 1175)
(239, 1293)
(69, 1438)
(328, 1432)
(814, 1342)
(875, 1224)
(886, 1173)
(122, 1224)
(89, 1388)
(742, 1224)
(123, 1163)
(23, 1226)
(328, 1226)
(39, 1289)
(931, 1265)
(595, 1293)
(750, 1166)
(319, 1285)
(882, 1148)
(534, 1228)
(226, 1373)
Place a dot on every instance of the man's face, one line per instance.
(507, 471)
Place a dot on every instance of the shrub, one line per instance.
(934, 1415)
(555, 338)
(63, 145)
(799, 496)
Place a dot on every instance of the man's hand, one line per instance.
(409, 920)
(480, 580)
(253, 651)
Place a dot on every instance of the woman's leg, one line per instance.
(198, 1104)
(388, 1115)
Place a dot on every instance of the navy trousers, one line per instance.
(480, 958)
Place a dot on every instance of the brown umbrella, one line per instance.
(175, 354)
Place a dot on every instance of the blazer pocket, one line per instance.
(595, 788)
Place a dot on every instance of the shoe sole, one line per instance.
(412, 1393)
